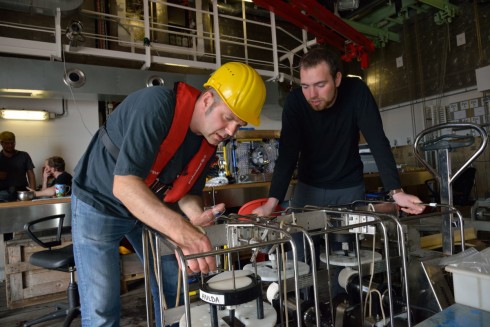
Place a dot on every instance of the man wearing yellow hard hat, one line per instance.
(149, 154)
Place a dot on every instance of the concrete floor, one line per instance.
(133, 312)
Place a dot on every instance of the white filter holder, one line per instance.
(344, 276)
(224, 281)
(267, 270)
(272, 292)
(339, 259)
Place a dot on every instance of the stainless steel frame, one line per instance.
(310, 221)
(444, 174)
(215, 233)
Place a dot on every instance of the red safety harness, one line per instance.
(186, 97)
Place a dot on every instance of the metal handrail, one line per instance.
(458, 126)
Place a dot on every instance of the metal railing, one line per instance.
(207, 39)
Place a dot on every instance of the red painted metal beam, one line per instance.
(314, 9)
(296, 17)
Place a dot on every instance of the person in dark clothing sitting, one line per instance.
(53, 173)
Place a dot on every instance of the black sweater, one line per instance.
(325, 144)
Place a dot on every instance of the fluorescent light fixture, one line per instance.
(176, 65)
(24, 114)
(352, 75)
(20, 93)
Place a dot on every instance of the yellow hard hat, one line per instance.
(241, 88)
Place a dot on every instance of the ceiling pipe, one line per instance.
(274, 43)
(147, 40)
(57, 33)
(245, 37)
(216, 33)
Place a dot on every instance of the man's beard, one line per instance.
(324, 104)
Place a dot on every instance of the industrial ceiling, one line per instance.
(268, 34)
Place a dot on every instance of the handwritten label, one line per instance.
(211, 298)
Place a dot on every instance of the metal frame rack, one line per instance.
(240, 233)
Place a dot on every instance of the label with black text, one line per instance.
(212, 298)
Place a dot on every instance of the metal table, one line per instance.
(14, 215)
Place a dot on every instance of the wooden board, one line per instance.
(257, 134)
(27, 284)
(131, 269)
(435, 241)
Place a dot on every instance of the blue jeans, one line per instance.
(96, 239)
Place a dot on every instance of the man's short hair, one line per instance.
(57, 163)
(320, 54)
(7, 136)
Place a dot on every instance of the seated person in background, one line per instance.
(16, 168)
(53, 173)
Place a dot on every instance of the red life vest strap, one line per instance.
(191, 173)
(186, 97)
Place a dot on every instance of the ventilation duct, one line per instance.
(74, 78)
(41, 7)
(155, 81)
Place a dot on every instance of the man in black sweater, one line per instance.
(321, 122)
